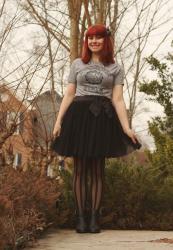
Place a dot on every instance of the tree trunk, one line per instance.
(74, 12)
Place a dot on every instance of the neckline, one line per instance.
(93, 62)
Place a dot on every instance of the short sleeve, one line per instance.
(119, 76)
(72, 73)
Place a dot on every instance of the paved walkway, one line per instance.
(106, 240)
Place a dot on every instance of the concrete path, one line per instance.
(106, 240)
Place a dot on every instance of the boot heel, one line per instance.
(81, 225)
(94, 226)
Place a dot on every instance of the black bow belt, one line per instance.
(98, 102)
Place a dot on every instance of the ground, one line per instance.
(67, 239)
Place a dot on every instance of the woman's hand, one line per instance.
(57, 130)
(131, 134)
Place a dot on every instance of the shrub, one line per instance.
(134, 197)
(27, 206)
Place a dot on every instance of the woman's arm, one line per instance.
(66, 101)
(120, 107)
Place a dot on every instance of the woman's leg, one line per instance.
(97, 182)
(80, 183)
(80, 192)
(97, 185)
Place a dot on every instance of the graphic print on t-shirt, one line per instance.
(94, 77)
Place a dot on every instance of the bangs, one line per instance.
(96, 30)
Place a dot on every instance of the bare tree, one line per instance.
(57, 35)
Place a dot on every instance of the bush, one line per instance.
(135, 199)
(27, 206)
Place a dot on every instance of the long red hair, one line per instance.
(107, 53)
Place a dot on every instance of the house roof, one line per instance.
(16, 92)
(27, 100)
(48, 94)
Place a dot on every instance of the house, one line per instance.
(25, 124)
(46, 107)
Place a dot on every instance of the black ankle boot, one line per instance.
(94, 226)
(81, 224)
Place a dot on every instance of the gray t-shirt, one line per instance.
(94, 78)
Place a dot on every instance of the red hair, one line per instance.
(107, 53)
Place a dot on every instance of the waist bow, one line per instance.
(99, 103)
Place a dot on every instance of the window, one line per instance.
(17, 160)
(17, 119)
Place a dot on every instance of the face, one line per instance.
(95, 43)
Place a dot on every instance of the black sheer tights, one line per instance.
(80, 182)
(97, 182)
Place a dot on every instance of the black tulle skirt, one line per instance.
(91, 128)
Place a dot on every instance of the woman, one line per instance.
(92, 122)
